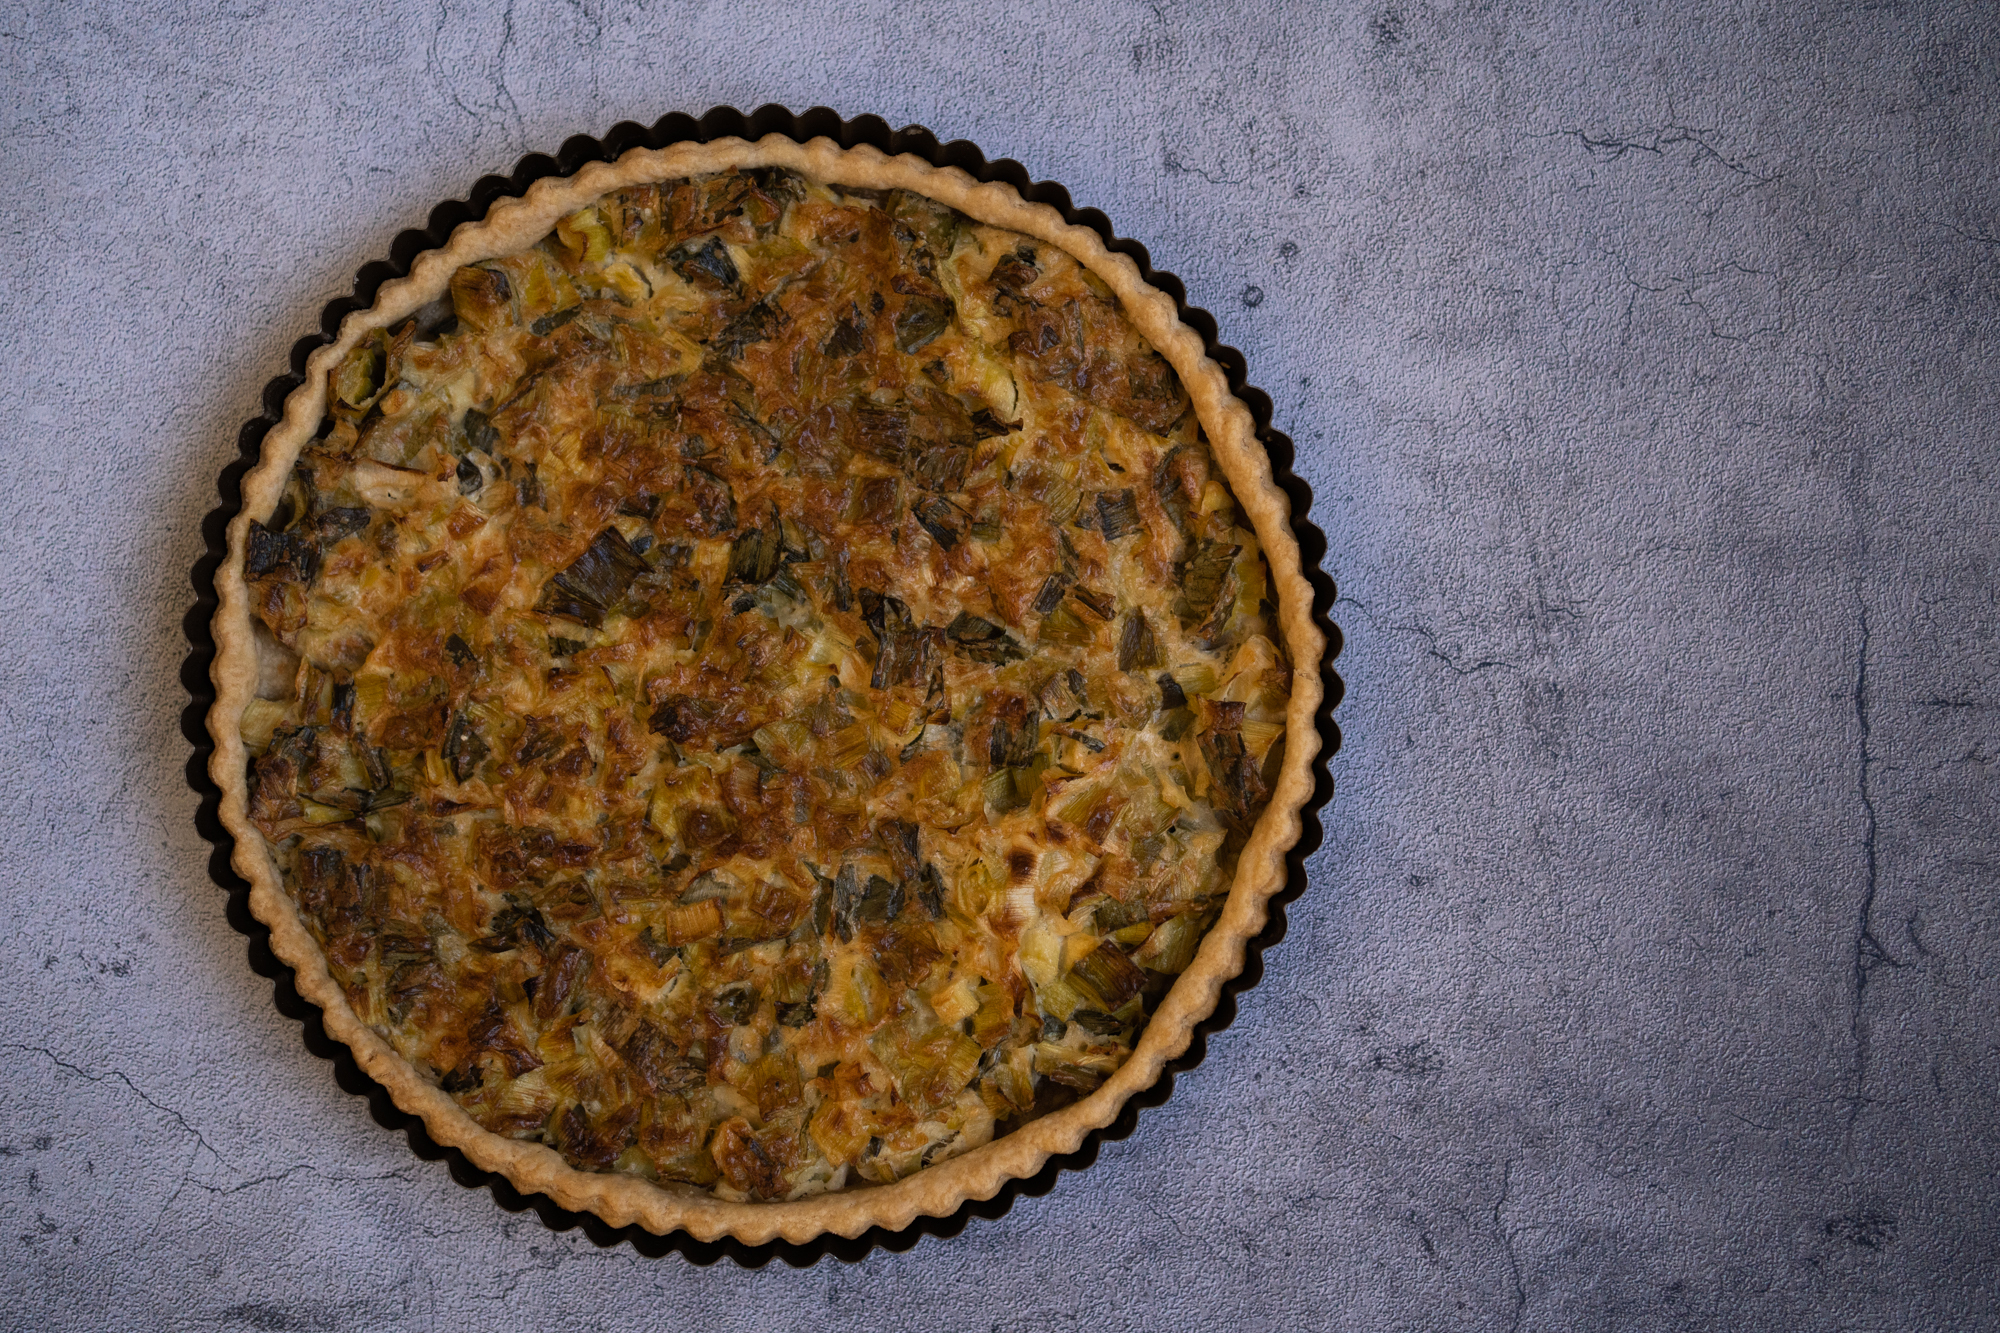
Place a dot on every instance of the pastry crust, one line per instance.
(940, 1189)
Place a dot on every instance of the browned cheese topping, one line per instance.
(763, 689)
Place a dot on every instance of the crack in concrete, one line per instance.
(431, 70)
(504, 100)
(200, 1140)
(1430, 637)
(1868, 951)
(132, 1087)
(1976, 756)
(201, 1143)
(1656, 142)
(400, 1173)
(1506, 1238)
(596, 43)
(1173, 164)
(500, 61)
(545, 1261)
(1415, 1222)
(1979, 237)
(1683, 289)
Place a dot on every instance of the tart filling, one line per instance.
(763, 688)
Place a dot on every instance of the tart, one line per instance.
(764, 688)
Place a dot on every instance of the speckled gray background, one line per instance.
(1643, 361)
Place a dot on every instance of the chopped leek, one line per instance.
(1171, 946)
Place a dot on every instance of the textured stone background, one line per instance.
(1643, 362)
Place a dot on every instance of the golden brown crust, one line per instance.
(939, 1189)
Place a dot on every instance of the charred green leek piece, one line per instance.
(596, 581)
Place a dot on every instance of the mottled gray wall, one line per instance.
(1642, 360)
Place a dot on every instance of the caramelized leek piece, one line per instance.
(1197, 679)
(1202, 579)
(1171, 946)
(955, 1003)
(358, 381)
(921, 320)
(930, 1067)
(1079, 801)
(1040, 955)
(595, 581)
(1013, 1079)
(1063, 499)
(1059, 998)
(685, 924)
(1097, 1022)
(995, 1018)
(261, 717)
(1064, 626)
(1110, 975)
(1001, 792)
(841, 1130)
(585, 236)
(482, 298)
(1138, 649)
(527, 1099)
(982, 640)
(1073, 1067)
(1258, 737)
(1118, 514)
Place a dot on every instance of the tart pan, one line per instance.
(1270, 871)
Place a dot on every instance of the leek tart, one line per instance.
(764, 687)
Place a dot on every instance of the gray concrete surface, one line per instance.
(1643, 360)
